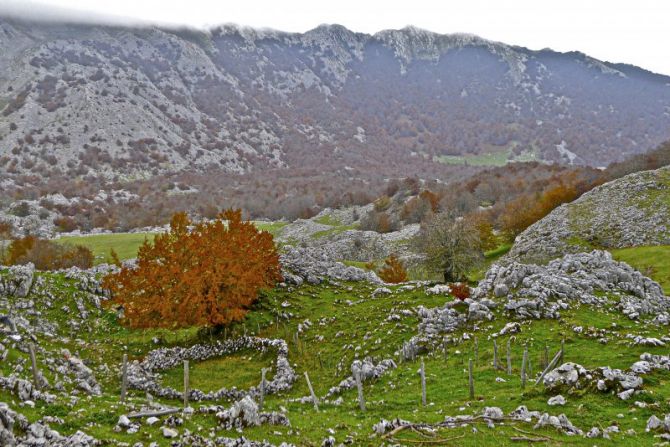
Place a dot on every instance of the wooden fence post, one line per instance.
(423, 383)
(124, 378)
(262, 398)
(471, 380)
(549, 367)
(524, 365)
(359, 385)
(186, 384)
(33, 361)
(495, 355)
(509, 357)
(311, 391)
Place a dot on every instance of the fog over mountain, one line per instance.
(137, 101)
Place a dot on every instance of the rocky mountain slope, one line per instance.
(80, 99)
(628, 212)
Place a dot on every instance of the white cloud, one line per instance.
(634, 32)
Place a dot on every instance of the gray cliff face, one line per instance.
(628, 212)
(106, 100)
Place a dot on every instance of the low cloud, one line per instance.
(27, 10)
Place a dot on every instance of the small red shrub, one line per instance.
(460, 290)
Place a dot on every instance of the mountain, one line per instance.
(628, 212)
(136, 102)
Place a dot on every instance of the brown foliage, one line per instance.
(419, 208)
(204, 274)
(5, 230)
(381, 222)
(484, 227)
(432, 199)
(47, 255)
(115, 258)
(65, 224)
(460, 290)
(393, 270)
(19, 248)
(524, 211)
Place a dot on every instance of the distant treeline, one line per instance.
(510, 197)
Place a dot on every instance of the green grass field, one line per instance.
(271, 227)
(125, 244)
(349, 324)
(493, 158)
(242, 369)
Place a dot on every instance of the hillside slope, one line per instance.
(330, 330)
(80, 99)
(628, 212)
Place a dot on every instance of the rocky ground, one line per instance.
(336, 235)
(628, 212)
(38, 217)
(338, 324)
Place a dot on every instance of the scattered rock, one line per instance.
(123, 422)
(245, 413)
(367, 370)
(556, 400)
(169, 432)
(314, 266)
(543, 291)
(152, 420)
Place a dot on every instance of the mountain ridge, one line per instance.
(243, 99)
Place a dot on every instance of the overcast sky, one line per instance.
(634, 31)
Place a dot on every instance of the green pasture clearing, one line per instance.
(492, 158)
(126, 245)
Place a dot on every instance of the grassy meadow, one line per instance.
(347, 323)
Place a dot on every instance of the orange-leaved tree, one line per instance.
(197, 274)
(393, 270)
(525, 210)
(48, 255)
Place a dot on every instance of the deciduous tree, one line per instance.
(197, 274)
(393, 270)
(451, 245)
